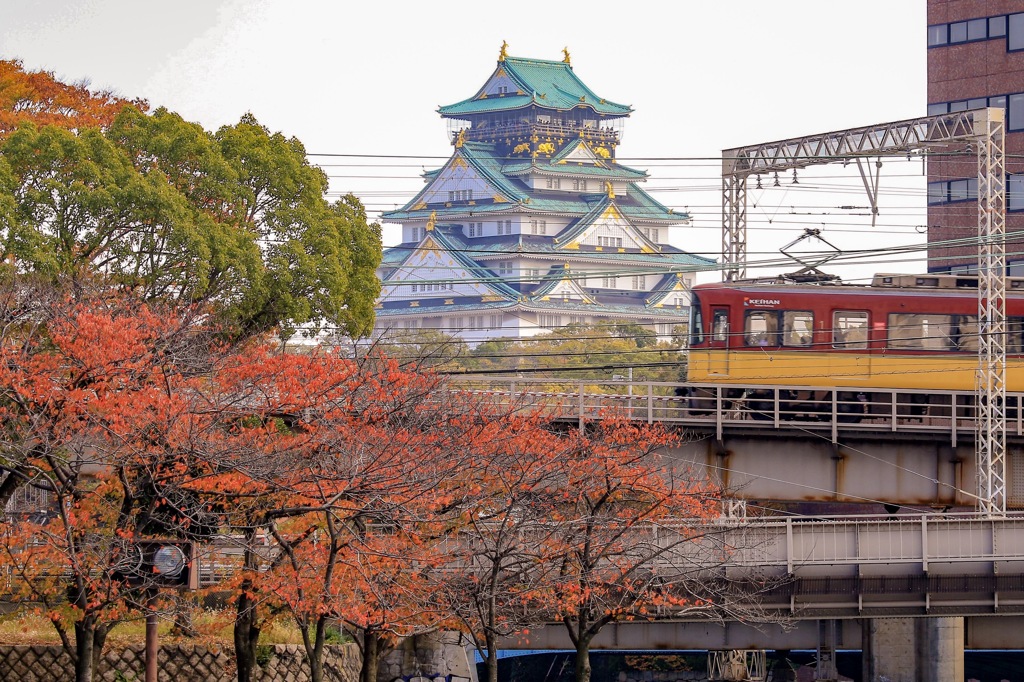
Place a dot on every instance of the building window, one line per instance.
(418, 233)
(998, 101)
(639, 282)
(538, 227)
(476, 230)
(1015, 193)
(504, 227)
(609, 281)
(503, 267)
(1015, 114)
(1015, 32)
(554, 183)
(609, 241)
(579, 185)
(948, 191)
(982, 28)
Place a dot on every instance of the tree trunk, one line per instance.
(99, 639)
(583, 669)
(246, 632)
(84, 649)
(491, 661)
(314, 649)
(371, 657)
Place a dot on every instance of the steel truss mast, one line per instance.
(984, 130)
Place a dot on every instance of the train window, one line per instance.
(720, 325)
(696, 322)
(761, 328)
(919, 331)
(797, 328)
(849, 329)
(1015, 335)
(966, 332)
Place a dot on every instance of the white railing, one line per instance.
(831, 410)
(971, 541)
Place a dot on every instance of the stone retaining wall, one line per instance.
(178, 663)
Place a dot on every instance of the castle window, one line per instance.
(609, 241)
(554, 183)
(504, 267)
(548, 321)
(538, 227)
(476, 230)
(639, 282)
(609, 281)
(504, 227)
(580, 185)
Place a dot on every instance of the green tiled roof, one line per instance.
(456, 248)
(547, 84)
(484, 159)
(474, 304)
(635, 204)
(669, 257)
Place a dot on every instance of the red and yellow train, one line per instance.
(900, 332)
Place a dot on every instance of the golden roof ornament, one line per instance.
(460, 139)
(504, 51)
(565, 57)
(610, 190)
(431, 220)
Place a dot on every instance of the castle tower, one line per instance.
(532, 224)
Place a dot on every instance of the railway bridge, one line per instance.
(900, 564)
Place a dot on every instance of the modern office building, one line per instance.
(532, 224)
(975, 59)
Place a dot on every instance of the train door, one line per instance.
(849, 359)
(718, 358)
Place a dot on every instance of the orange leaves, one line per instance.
(38, 97)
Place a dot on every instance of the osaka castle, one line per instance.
(532, 224)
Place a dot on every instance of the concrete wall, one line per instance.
(430, 656)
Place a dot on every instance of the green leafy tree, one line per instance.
(159, 207)
(581, 352)
(426, 348)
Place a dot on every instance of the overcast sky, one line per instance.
(367, 78)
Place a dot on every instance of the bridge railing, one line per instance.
(829, 410)
(965, 544)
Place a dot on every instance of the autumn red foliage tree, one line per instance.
(40, 97)
(614, 492)
(501, 569)
(347, 469)
(90, 407)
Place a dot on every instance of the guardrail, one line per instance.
(831, 410)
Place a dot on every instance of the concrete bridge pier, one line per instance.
(914, 649)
